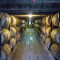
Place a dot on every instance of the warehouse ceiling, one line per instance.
(20, 7)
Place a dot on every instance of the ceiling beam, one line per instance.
(28, 15)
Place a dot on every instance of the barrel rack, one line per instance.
(1, 44)
(59, 25)
(48, 37)
(53, 27)
(0, 38)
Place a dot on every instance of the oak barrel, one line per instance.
(48, 31)
(14, 20)
(7, 49)
(55, 19)
(55, 50)
(47, 42)
(6, 19)
(48, 20)
(44, 21)
(12, 42)
(55, 34)
(13, 31)
(5, 35)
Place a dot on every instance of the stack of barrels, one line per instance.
(55, 35)
(18, 28)
(9, 35)
(23, 25)
(46, 34)
(43, 28)
(48, 31)
(15, 27)
(51, 34)
(5, 35)
(36, 23)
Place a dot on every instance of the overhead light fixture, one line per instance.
(33, 0)
(30, 15)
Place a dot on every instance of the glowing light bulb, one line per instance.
(30, 15)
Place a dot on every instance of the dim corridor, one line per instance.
(30, 47)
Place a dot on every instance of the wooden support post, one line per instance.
(0, 35)
(10, 38)
(51, 27)
(59, 25)
(59, 20)
(0, 38)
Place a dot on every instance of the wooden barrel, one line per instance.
(55, 35)
(7, 49)
(18, 28)
(36, 25)
(3, 55)
(36, 21)
(5, 35)
(0, 16)
(48, 20)
(44, 21)
(58, 37)
(23, 25)
(43, 29)
(23, 29)
(17, 21)
(13, 31)
(18, 36)
(23, 21)
(41, 35)
(6, 19)
(54, 50)
(48, 31)
(44, 37)
(47, 42)
(40, 27)
(40, 21)
(12, 42)
(59, 25)
(13, 20)
(55, 20)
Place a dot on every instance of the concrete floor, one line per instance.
(30, 48)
